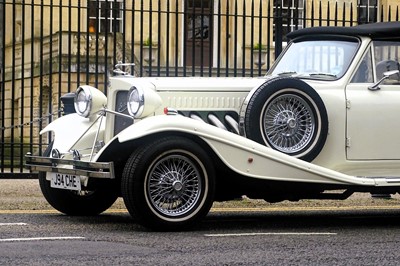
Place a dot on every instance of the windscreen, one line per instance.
(317, 59)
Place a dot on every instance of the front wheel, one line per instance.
(168, 184)
(82, 202)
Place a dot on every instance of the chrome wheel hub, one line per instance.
(177, 186)
(288, 123)
(291, 123)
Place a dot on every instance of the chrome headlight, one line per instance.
(88, 101)
(135, 102)
(142, 101)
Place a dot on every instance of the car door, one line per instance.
(373, 116)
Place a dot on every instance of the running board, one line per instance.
(385, 180)
(333, 196)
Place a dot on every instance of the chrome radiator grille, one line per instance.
(120, 123)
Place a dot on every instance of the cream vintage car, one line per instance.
(322, 124)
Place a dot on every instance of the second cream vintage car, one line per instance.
(322, 124)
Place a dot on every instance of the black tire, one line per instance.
(85, 203)
(287, 115)
(168, 184)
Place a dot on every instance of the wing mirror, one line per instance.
(386, 75)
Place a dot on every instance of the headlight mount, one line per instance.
(135, 101)
(89, 101)
(142, 101)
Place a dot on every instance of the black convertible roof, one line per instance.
(381, 30)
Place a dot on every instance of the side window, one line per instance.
(386, 59)
(364, 71)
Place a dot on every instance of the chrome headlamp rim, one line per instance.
(135, 101)
(87, 100)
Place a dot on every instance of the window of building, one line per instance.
(198, 32)
(105, 16)
(367, 11)
(198, 21)
(292, 12)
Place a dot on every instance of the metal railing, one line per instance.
(48, 48)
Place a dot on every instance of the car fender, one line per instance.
(242, 155)
(74, 131)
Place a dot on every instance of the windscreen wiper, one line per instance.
(287, 73)
(323, 74)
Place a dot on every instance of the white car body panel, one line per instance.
(73, 129)
(236, 151)
(369, 113)
(341, 138)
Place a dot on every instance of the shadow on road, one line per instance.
(257, 220)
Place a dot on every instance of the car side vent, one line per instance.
(226, 120)
(233, 123)
(213, 120)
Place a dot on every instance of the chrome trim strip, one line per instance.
(391, 180)
(64, 166)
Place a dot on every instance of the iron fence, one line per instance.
(49, 47)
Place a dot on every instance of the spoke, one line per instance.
(280, 134)
(166, 198)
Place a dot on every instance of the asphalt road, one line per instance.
(359, 231)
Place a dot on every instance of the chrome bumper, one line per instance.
(72, 167)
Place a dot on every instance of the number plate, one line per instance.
(65, 181)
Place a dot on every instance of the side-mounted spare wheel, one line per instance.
(287, 115)
(168, 184)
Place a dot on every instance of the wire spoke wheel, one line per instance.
(174, 185)
(288, 123)
(169, 184)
